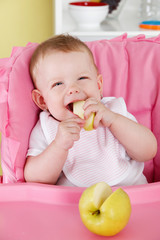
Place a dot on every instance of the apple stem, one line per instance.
(97, 212)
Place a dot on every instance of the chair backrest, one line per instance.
(18, 114)
(130, 68)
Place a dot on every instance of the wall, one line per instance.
(23, 21)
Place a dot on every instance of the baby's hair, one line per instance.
(61, 43)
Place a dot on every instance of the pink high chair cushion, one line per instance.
(18, 113)
(130, 68)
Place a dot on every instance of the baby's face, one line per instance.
(64, 78)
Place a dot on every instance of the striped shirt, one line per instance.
(97, 156)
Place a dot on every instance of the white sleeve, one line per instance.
(125, 112)
(37, 141)
(118, 105)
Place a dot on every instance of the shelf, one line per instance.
(128, 22)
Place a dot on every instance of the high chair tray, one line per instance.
(44, 212)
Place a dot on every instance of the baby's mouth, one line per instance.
(70, 107)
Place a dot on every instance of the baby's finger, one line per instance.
(90, 109)
(80, 122)
(74, 128)
(97, 119)
(76, 119)
(89, 102)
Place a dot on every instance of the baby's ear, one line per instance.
(100, 83)
(38, 99)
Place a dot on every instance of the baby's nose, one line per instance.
(73, 90)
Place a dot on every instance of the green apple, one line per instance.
(104, 212)
(78, 110)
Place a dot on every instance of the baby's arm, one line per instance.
(47, 166)
(139, 141)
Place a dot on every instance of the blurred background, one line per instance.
(23, 21)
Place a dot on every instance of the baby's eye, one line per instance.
(83, 78)
(57, 84)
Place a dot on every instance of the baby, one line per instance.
(60, 150)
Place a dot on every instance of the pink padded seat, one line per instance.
(130, 68)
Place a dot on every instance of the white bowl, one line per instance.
(88, 15)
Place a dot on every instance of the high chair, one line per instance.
(130, 69)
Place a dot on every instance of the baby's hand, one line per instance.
(68, 132)
(102, 114)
